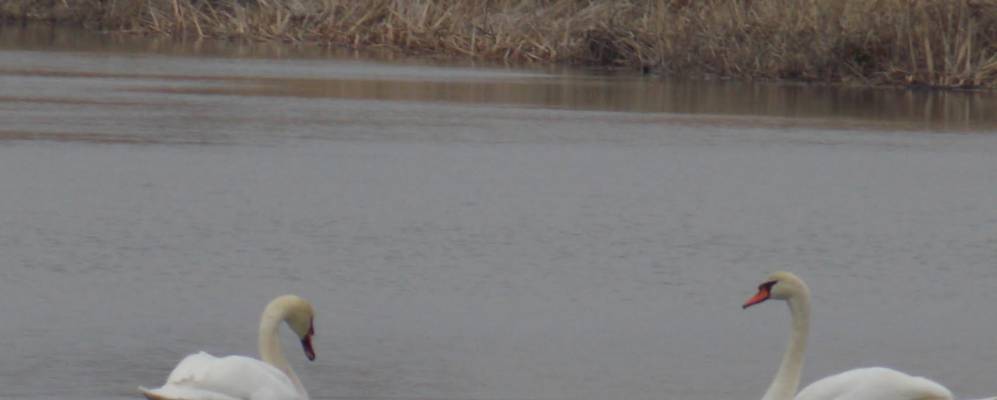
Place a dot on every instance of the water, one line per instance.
(477, 233)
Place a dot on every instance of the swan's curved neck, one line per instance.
(270, 350)
(787, 379)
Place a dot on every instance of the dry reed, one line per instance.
(943, 43)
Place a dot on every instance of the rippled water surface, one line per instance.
(478, 233)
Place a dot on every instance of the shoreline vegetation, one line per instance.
(909, 43)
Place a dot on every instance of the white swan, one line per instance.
(858, 384)
(202, 376)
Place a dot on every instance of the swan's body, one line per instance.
(874, 383)
(201, 376)
(858, 384)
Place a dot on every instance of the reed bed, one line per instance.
(938, 43)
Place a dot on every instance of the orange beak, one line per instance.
(762, 295)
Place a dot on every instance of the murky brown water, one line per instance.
(477, 233)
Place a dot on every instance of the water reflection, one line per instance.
(276, 70)
(901, 108)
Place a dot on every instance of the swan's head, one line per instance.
(780, 286)
(299, 316)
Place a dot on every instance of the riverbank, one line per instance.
(936, 43)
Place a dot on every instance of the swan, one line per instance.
(201, 376)
(858, 384)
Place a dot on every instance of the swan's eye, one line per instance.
(767, 286)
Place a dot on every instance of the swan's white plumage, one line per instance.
(874, 383)
(202, 376)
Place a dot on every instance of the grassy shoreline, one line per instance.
(934, 43)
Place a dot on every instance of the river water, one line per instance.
(478, 232)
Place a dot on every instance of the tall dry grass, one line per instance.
(948, 43)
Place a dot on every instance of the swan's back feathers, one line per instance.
(204, 367)
(202, 376)
(874, 383)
